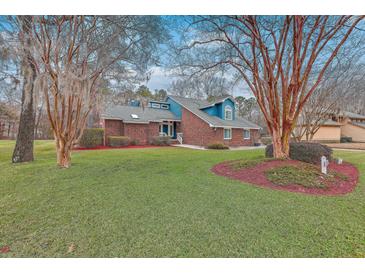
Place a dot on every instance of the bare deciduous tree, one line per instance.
(72, 53)
(202, 87)
(282, 59)
(332, 94)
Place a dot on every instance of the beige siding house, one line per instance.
(354, 130)
(328, 133)
(345, 124)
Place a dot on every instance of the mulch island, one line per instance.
(292, 175)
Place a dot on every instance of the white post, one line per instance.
(324, 164)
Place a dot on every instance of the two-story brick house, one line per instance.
(189, 121)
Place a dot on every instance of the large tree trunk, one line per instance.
(280, 149)
(63, 150)
(23, 151)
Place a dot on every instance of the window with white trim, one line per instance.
(228, 113)
(227, 133)
(246, 134)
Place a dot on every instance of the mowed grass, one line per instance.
(165, 202)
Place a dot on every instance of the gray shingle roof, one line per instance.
(195, 106)
(330, 122)
(358, 124)
(145, 115)
(218, 100)
(352, 115)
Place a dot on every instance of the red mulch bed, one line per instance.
(256, 176)
(106, 147)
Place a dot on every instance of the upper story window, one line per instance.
(155, 105)
(228, 113)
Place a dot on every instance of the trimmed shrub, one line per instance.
(118, 141)
(305, 152)
(160, 140)
(134, 142)
(345, 139)
(92, 137)
(217, 146)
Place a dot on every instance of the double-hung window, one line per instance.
(228, 113)
(246, 134)
(227, 133)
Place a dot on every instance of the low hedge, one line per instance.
(160, 141)
(305, 152)
(92, 137)
(217, 146)
(134, 142)
(345, 139)
(118, 141)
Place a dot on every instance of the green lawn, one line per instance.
(165, 202)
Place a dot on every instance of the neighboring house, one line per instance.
(188, 121)
(344, 124)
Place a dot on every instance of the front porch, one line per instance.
(170, 128)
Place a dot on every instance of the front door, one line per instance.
(166, 128)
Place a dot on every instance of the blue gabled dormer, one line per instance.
(224, 109)
(175, 108)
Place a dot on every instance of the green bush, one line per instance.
(118, 141)
(345, 139)
(160, 141)
(305, 152)
(217, 146)
(134, 142)
(92, 137)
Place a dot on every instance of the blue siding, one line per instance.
(218, 109)
(230, 103)
(213, 111)
(175, 108)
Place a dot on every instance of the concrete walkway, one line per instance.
(349, 149)
(232, 148)
(190, 146)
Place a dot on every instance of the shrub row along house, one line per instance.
(185, 120)
(342, 125)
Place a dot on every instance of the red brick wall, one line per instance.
(112, 128)
(237, 137)
(141, 132)
(198, 132)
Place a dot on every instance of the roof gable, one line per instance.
(195, 106)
